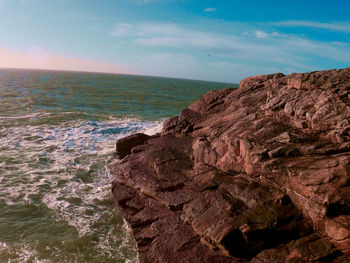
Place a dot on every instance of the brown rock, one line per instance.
(124, 145)
(256, 174)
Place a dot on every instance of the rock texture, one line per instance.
(256, 174)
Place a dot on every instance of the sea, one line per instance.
(57, 134)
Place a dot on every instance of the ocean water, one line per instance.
(57, 134)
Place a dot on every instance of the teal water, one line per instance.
(57, 133)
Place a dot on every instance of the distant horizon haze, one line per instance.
(108, 73)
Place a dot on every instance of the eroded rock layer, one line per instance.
(255, 174)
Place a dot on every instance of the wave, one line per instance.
(58, 173)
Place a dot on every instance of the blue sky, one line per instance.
(218, 40)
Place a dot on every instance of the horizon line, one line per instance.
(113, 73)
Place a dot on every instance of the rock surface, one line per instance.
(255, 174)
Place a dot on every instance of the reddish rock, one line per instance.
(124, 145)
(255, 174)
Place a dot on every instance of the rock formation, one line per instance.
(256, 174)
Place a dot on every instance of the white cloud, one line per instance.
(333, 26)
(210, 9)
(263, 34)
(260, 34)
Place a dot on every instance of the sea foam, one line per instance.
(61, 170)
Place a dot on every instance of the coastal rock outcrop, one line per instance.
(255, 174)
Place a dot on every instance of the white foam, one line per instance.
(153, 130)
(45, 167)
(2, 244)
(23, 253)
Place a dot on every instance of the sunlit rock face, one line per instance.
(255, 174)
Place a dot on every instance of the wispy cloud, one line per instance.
(122, 29)
(249, 49)
(332, 26)
(210, 9)
(258, 45)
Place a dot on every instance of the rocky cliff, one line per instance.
(255, 174)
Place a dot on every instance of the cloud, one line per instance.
(121, 29)
(259, 48)
(341, 27)
(279, 48)
(260, 34)
(172, 35)
(263, 34)
(145, 29)
(40, 58)
(210, 9)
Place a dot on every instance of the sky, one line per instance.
(221, 40)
